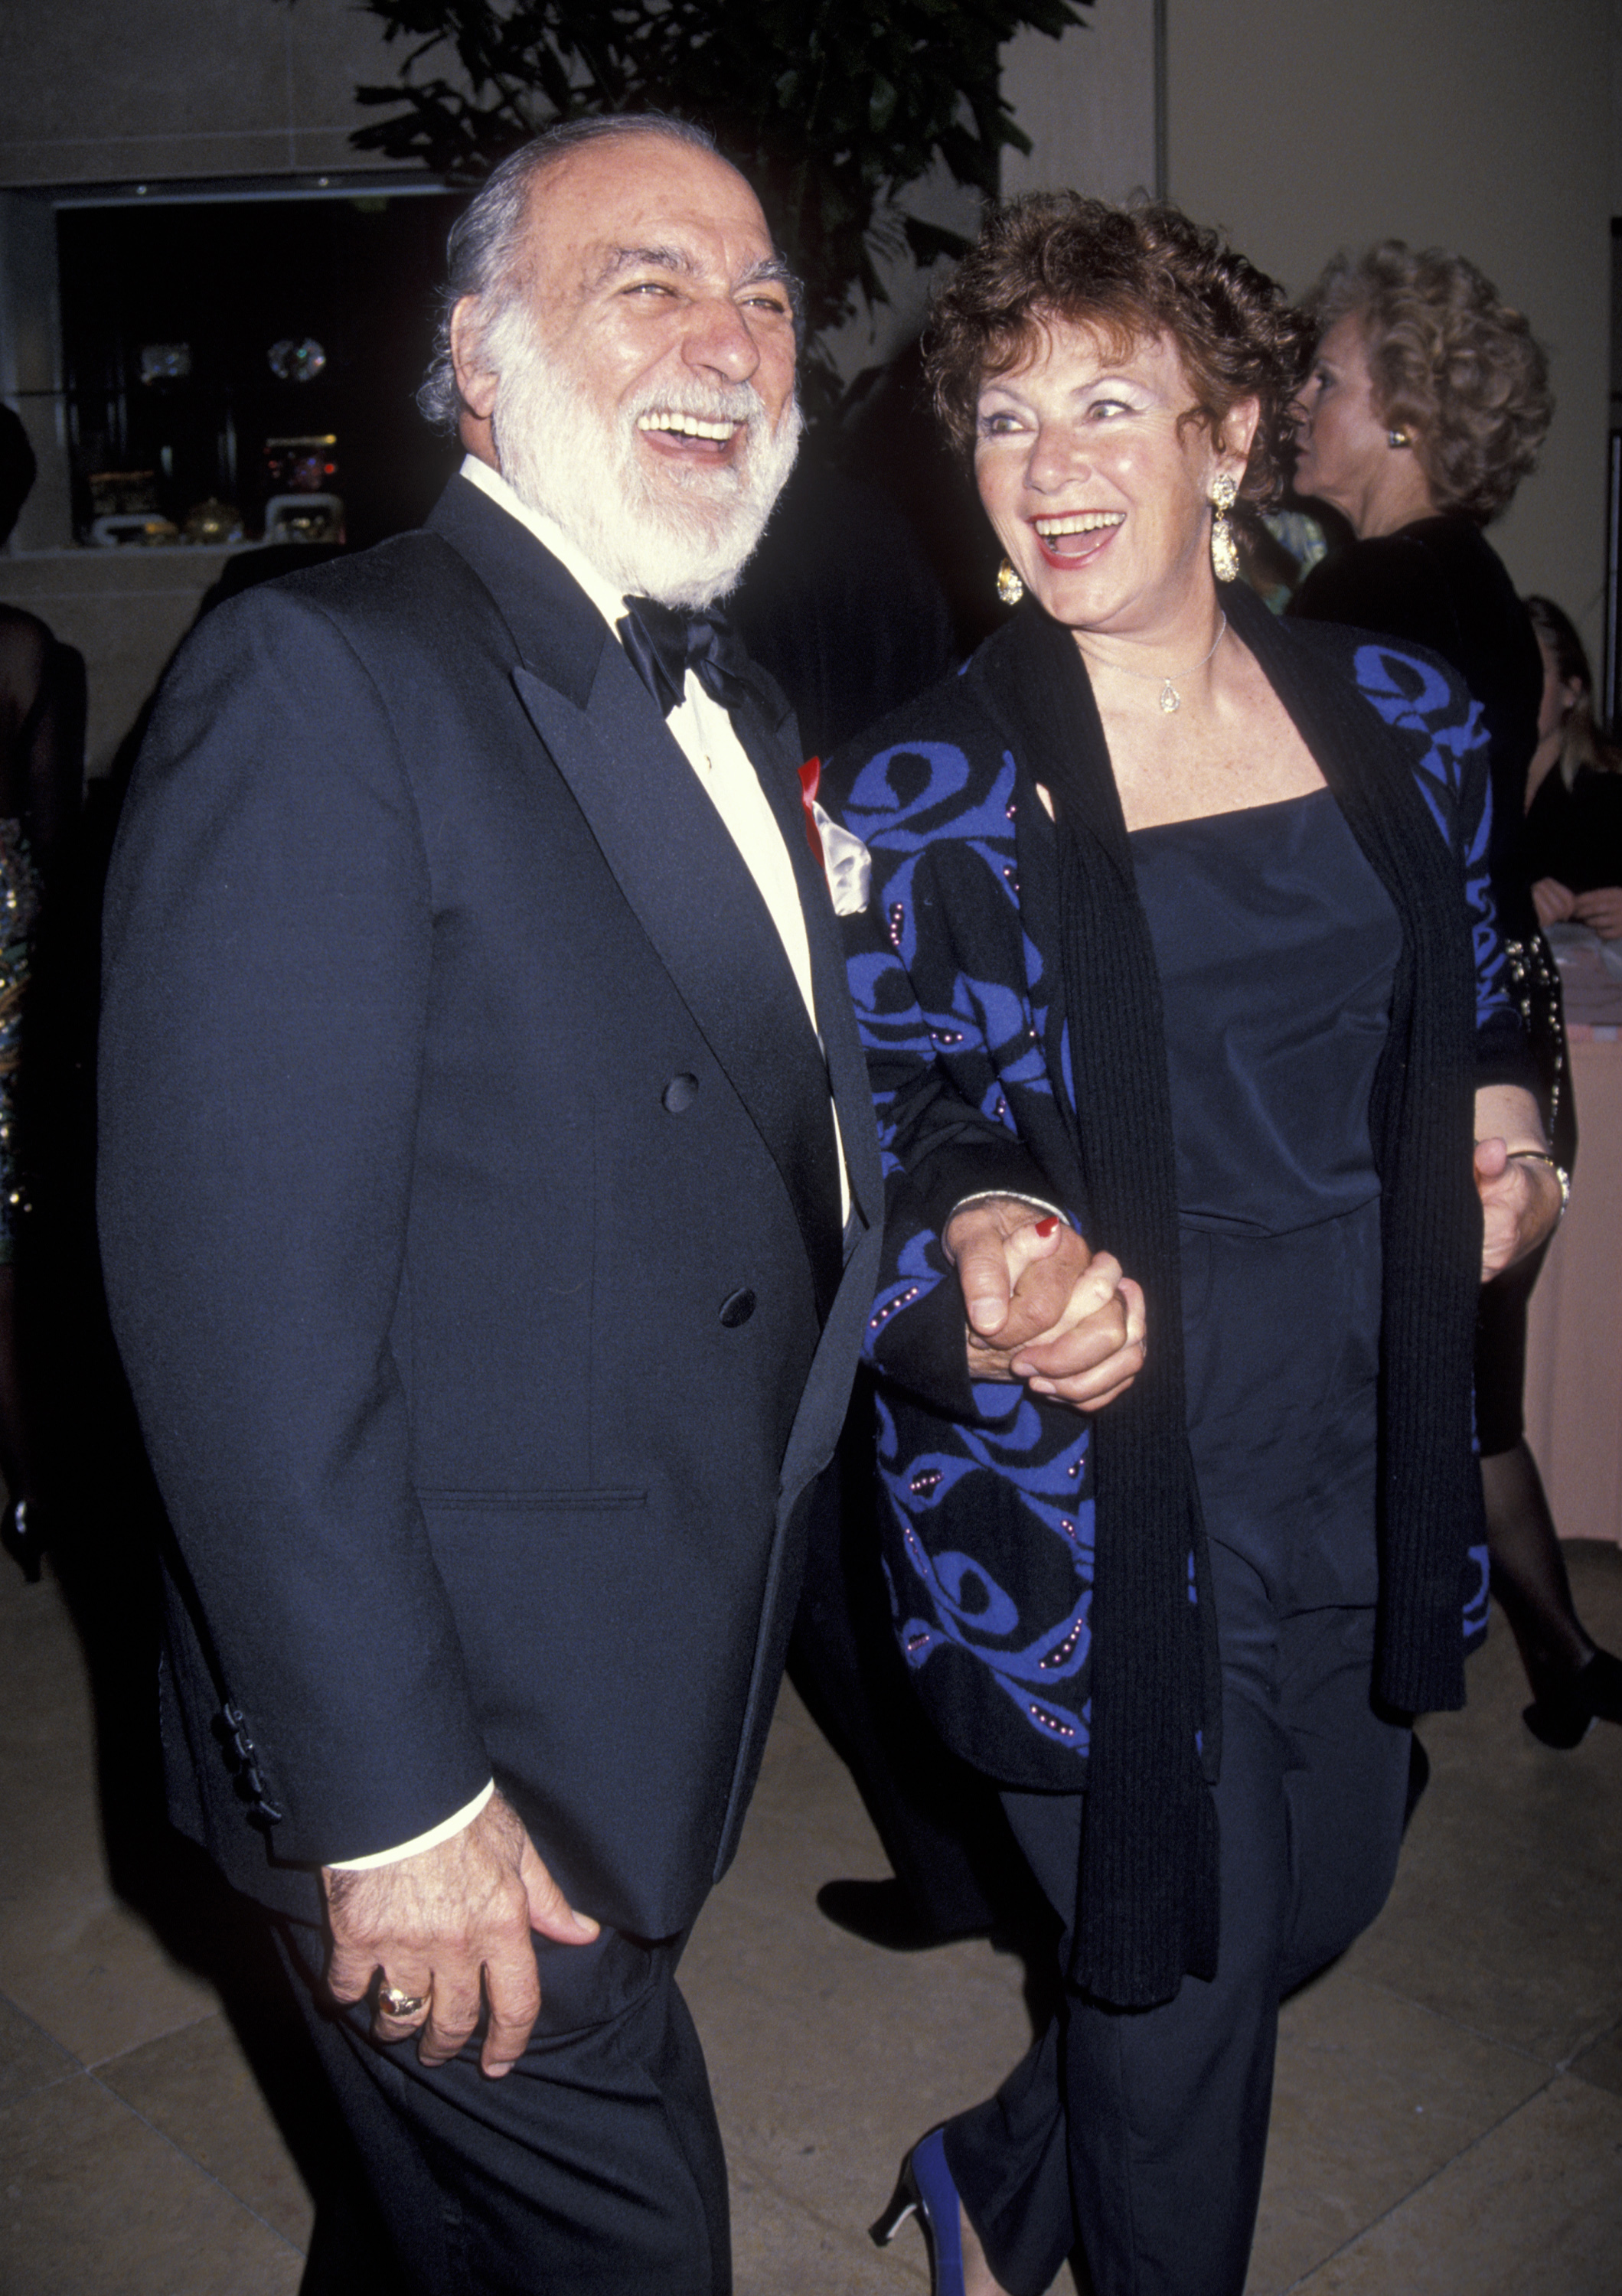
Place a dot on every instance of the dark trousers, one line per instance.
(1142, 2134)
(593, 2168)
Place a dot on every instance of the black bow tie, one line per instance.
(664, 643)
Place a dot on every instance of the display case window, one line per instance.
(246, 368)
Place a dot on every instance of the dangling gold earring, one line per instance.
(1224, 558)
(1010, 589)
(1398, 438)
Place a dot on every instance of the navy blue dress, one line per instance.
(1144, 2135)
(1276, 945)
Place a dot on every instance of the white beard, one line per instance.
(681, 535)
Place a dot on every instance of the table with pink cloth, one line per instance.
(1574, 1337)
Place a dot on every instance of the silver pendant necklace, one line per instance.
(1170, 699)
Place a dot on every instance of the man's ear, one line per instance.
(475, 383)
(478, 436)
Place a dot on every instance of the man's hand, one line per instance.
(1041, 1307)
(439, 1924)
(1602, 909)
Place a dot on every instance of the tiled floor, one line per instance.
(1449, 2110)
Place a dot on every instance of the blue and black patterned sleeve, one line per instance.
(1418, 696)
(933, 1040)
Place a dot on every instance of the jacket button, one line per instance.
(738, 1310)
(680, 1093)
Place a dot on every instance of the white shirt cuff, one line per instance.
(435, 1834)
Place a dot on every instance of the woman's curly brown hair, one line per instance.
(1127, 274)
(1452, 365)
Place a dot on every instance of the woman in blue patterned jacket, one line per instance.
(1180, 928)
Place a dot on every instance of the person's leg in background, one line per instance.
(1573, 1682)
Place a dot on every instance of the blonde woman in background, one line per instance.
(1425, 405)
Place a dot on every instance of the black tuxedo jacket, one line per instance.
(470, 1212)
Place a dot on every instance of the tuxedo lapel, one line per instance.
(670, 852)
(681, 875)
(554, 626)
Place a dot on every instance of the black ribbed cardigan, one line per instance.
(1147, 1906)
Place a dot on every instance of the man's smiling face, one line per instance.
(656, 286)
(641, 383)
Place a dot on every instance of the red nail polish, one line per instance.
(1046, 1226)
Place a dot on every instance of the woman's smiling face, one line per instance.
(1098, 488)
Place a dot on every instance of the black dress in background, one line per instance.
(1439, 583)
(1575, 835)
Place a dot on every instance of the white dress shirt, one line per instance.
(703, 730)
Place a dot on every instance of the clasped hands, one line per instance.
(1039, 1307)
(452, 1926)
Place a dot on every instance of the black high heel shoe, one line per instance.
(1563, 1717)
(925, 2189)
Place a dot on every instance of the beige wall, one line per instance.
(1485, 126)
(1087, 103)
(125, 610)
(96, 90)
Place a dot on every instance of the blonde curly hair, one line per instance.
(1452, 365)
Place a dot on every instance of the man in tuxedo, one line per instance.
(489, 1200)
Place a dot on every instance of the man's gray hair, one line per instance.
(485, 248)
